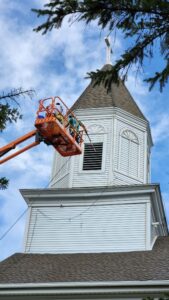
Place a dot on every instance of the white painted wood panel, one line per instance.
(131, 165)
(92, 178)
(60, 172)
(87, 228)
(106, 126)
(154, 228)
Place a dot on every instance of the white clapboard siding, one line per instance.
(60, 173)
(129, 157)
(154, 229)
(134, 159)
(107, 129)
(122, 179)
(83, 228)
(124, 155)
(99, 177)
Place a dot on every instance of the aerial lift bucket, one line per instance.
(53, 128)
(53, 125)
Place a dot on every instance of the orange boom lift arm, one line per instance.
(13, 145)
(53, 128)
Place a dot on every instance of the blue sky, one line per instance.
(56, 64)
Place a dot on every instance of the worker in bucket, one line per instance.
(59, 112)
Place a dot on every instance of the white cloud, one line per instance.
(53, 64)
(31, 60)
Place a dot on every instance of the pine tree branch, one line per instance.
(3, 183)
(17, 93)
(10, 114)
(130, 57)
(161, 77)
(143, 21)
(56, 11)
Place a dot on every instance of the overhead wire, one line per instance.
(24, 212)
(61, 206)
(36, 217)
(16, 221)
(66, 162)
(64, 219)
(56, 174)
(33, 230)
(77, 215)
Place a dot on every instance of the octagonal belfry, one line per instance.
(121, 141)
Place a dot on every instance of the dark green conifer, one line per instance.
(145, 22)
(9, 113)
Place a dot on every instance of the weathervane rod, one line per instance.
(108, 50)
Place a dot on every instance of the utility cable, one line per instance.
(31, 238)
(67, 161)
(57, 173)
(65, 219)
(24, 212)
(77, 215)
(16, 221)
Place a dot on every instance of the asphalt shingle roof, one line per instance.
(124, 266)
(98, 97)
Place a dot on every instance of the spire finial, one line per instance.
(108, 50)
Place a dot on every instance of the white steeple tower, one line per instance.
(102, 200)
(120, 134)
(121, 137)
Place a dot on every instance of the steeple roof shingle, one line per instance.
(98, 97)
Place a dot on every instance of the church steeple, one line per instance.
(121, 137)
(100, 201)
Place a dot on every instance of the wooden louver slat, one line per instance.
(92, 159)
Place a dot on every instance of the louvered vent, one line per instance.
(93, 156)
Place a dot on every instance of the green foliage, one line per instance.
(3, 183)
(9, 113)
(142, 21)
